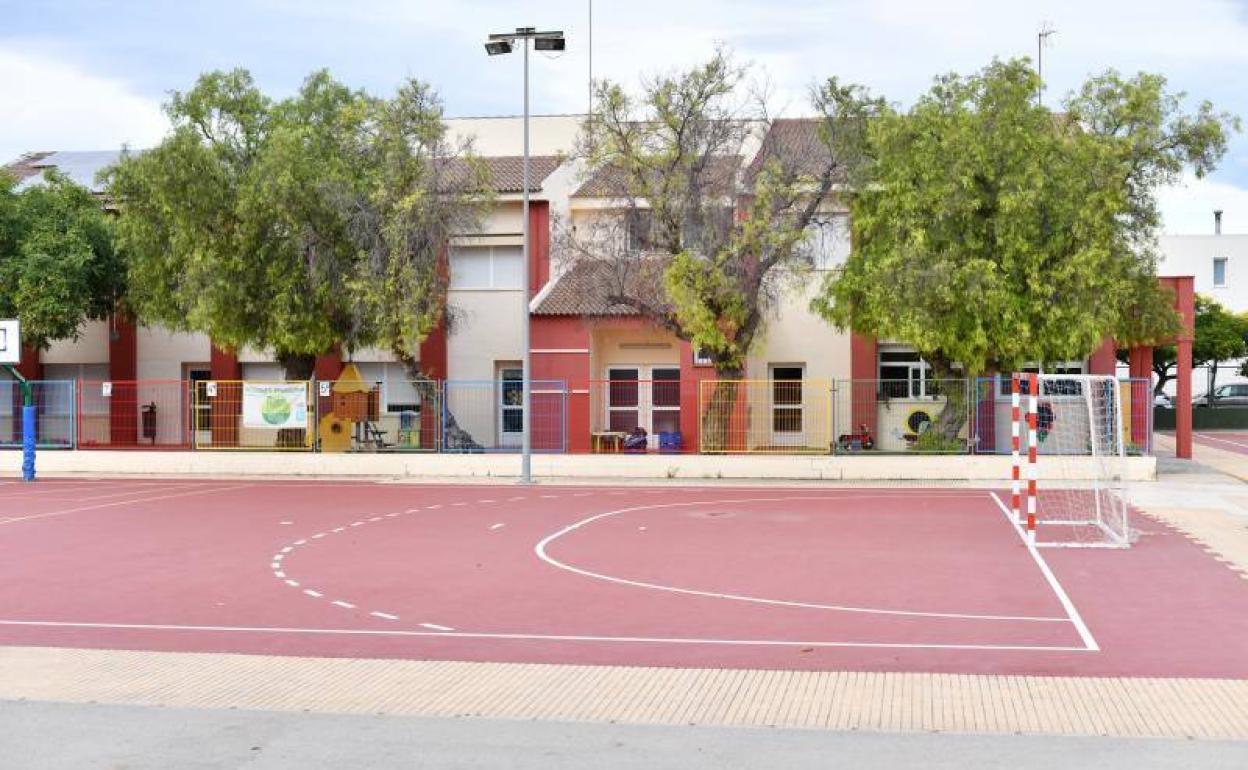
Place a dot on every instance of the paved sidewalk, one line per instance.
(145, 738)
(1178, 708)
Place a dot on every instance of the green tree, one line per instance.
(58, 265)
(300, 224)
(1219, 336)
(711, 236)
(995, 233)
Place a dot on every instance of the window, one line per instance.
(510, 403)
(1219, 271)
(639, 225)
(828, 241)
(702, 358)
(635, 402)
(487, 267)
(664, 400)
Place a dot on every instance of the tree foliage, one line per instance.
(996, 233)
(706, 242)
(58, 265)
(297, 224)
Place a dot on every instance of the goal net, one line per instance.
(1077, 495)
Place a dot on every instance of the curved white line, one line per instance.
(540, 550)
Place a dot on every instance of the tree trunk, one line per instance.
(956, 410)
(454, 438)
(297, 366)
(717, 420)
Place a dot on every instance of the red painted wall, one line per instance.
(329, 365)
(566, 333)
(864, 371)
(433, 353)
(1104, 359)
(30, 366)
(539, 245)
(123, 363)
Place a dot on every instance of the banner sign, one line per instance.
(275, 405)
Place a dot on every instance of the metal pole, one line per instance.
(590, 110)
(526, 387)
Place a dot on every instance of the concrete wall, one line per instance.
(162, 354)
(549, 134)
(1194, 254)
(91, 347)
(487, 331)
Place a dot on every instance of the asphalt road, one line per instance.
(38, 736)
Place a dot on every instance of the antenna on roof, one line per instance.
(1042, 37)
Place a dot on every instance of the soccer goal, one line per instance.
(1072, 432)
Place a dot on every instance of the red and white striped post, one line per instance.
(1016, 428)
(1033, 448)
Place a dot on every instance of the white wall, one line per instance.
(549, 134)
(1194, 254)
(91, 347)
(161, 353)
(487, 330)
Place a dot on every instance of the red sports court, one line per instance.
(857, 578)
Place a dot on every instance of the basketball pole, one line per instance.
(28, 423)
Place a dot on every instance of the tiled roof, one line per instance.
(611, 182)
(796, 142)
(507, 171)
(585, 287)
(29, 165)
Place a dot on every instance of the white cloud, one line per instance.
(1188, 208)
(50, 105)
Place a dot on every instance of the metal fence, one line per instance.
(991, 415)
(765, 416)
(143, 414)
(254, 414)
(379, 416)
(917, 415)
(488, 416)
(54, 413)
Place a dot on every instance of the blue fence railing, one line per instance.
(54, 414)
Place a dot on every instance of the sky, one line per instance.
(89, 74)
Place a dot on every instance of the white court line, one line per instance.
(499, 525)
(52, 494)
(540, 550)
(436, 627)
(541, 637)
(1220, 440)
(1067, 604)
(385, 615)
(122, 502)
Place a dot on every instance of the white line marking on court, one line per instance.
(499, 525)
(275, 565)
(114, 503)
(279, 556)
(313, 594)
(459, 503)
(339, 529)
(1067, 604)
(392, 515)
(318, 536)
(540, 637)
(300, 542)
(436, 627)
(288, 549)
(511, 499)
(540, 550)
(1221, 440)
(292, 583)
(278, 573)
(432, 507)
(345, 605)
(357, 523)
(485, 501)
(287, 522)
(385, 615)
(411, 510)
(375, 518)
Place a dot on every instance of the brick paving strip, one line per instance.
(1195, 708)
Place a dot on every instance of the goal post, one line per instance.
(1074, 429)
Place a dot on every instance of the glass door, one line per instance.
(510, 389)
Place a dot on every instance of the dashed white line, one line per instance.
(279, 573)
(318, 536)
(300, 542)
(431, 507)
(287, 549)
(344, 605)
(486, 501)
(313, 594)
(385, 615)
(375, 518)
(436, 627)
(499, 525)
(292, 583)
(338, 529)
(357, 523)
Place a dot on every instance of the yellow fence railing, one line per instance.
(254, 414)
(765, 416)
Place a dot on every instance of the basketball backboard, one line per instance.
(10, 341)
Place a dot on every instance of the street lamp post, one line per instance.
(496, 44)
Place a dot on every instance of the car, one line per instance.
(1232, 394)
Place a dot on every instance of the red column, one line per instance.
(1140, 361)
(1185, 299)
(691, 378)
(567, 342)
(1104, 359)
(30, 366)
(227, 405)
(863, 369)
(328, 365)
(123, 362)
